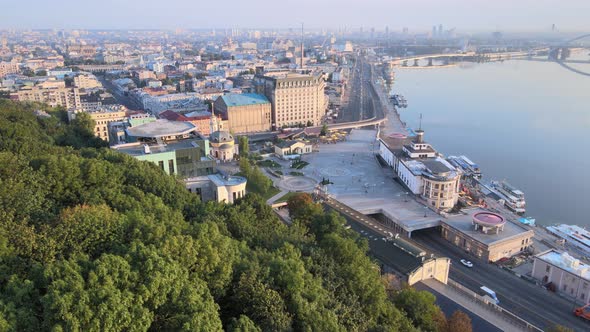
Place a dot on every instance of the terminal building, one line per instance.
(436, 182)
(486, 235)
(421, 169)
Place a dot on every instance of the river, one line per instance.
(523, 121)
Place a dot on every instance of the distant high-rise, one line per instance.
(433, 31)
(440, 30)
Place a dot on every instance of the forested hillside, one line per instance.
(93, 240)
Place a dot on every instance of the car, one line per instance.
(466, 263)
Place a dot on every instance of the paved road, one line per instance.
(532, 303)
(448, 306)
(119, 96)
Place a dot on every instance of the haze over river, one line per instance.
(524, 121)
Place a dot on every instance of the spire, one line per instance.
(420, 127)
(213, 121)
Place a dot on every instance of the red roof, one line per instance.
(173, 116)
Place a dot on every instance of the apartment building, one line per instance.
(296, 99)
(8, 68)
(52, 95)
(86, 81)
(102, 117)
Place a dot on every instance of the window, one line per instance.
(171, 166)
(161, 164)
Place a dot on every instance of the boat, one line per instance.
(575, 235)
(399, 101)
(512, 197)
(469, 167)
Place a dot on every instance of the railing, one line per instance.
(483, 302)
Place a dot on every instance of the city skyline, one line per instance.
(525, 15)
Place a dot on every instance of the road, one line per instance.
(380, 249)
(522, 298)
(118, 95)
(362, 99)
(448, 306)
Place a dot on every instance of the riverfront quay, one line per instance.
(521, 121)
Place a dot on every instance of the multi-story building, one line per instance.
(173, 146)
(56, 95)
(422, 170)
(86, 81)
(8, 68)
(296, 99)
(245, 113)
(567, 274)
(102, 117)
(486, 235)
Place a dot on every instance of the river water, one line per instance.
(523, 121)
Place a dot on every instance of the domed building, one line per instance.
(222, 143)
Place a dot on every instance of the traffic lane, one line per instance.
(379, 248)
(449, 306)
(498, 280)
(515, 294)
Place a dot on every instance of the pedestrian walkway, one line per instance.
(487, 313)
(273, 199)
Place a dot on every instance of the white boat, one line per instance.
(574, 235)
(513, 198)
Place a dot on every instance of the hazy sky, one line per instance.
(529, 15)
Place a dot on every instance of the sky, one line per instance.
(465, 15)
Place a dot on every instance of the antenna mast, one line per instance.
(302, 47)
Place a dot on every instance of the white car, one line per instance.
(466, 263)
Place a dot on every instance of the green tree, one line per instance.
(302, 207)
(324, 130)
(243, 146)
(242, 324)
(459, 322)
(419, 306)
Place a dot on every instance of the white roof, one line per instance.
(566, 262)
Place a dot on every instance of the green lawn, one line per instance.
(268, 163)
(286, 197)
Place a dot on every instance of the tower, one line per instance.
(302, 46)
(213, 125)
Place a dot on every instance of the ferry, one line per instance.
(399, 101)
(469, 167)
(574, 235)
(513, 198)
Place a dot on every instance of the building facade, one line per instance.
(245, 113)
(174, 146)
(53, 96)
(296, 99)
(8, 68)
(86, 81)
(567, 274)
(102, 117)
(486, 235)
(223, 189)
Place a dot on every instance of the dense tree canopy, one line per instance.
(93, 240)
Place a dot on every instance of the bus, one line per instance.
(490, 293)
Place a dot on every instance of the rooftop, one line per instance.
(137, 148)
(566, 262)
(161, 128)
(242, 99)
(464, 224)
